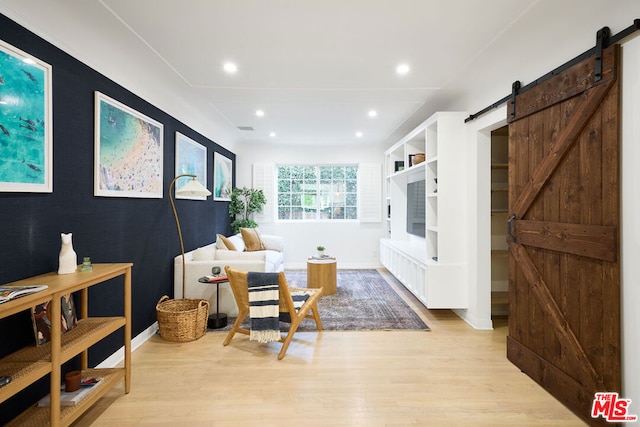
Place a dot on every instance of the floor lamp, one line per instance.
(191, 188)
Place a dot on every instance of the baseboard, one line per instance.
(118, 357)
(474, 322)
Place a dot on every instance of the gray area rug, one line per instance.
(363, 301)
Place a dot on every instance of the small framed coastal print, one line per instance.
(26, 147)
(191, 158)
(222, 177)
(128, 151)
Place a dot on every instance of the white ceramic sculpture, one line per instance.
(68, 258)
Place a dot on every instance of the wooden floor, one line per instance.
(450, 376)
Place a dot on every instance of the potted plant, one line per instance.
(244, 203)
(320, 251)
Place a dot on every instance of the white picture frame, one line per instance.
(26, 122)
(128, 151)
(222, 177)
(191, 158)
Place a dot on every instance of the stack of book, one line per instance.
(8, 293)
(213, 279)
(71, 398)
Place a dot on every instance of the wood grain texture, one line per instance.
(564, 199)
(593, 241)
(451, 376)
(322, 274)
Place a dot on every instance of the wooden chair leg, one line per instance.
(235, 327)
(316, 317)
(287, 341)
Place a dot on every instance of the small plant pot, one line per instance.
(72, 381)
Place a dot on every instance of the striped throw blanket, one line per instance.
(299, 297)
(263, 306)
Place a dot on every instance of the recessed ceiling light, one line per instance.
(359, 134)
(259, 113)
(402, 69)
(373, 113)
(272, 134)
(230, 67)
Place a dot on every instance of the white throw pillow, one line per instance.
(237, 241)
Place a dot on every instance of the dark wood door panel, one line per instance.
(564, 277)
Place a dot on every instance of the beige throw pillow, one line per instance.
(252, 239)
(224, 243)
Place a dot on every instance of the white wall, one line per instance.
(478, 147)
(354, 244)
(89, 33)
(630, 233)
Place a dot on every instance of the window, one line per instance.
(316, 192)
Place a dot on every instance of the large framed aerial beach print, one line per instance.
(128, 151)
(191, 158)
(222, 176)
(26, 145)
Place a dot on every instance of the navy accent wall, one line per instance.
(107, 229)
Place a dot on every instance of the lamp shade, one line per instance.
(193, 188)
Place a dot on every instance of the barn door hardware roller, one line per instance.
(602, 42)
(515, 89)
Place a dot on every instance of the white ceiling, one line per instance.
(315, 67)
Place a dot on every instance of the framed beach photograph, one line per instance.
(222, 177)
(191, 158)
(128, 151)
(26, 142)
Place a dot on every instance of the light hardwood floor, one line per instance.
(450, 376)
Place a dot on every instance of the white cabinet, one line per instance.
(424, 245)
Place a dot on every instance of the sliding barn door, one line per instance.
(564, 268)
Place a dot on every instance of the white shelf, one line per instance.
(438, 284)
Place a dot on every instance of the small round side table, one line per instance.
(322, 273)
(216, 320)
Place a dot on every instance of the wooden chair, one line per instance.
(308, 310)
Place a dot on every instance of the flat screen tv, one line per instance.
(416, 221)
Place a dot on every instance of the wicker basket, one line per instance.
(418, 158)
(182, 320)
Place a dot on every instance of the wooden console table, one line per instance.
(29, 364)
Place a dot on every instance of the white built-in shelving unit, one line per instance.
(432, 267)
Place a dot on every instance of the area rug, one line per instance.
(363, 301)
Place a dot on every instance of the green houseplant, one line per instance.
(244, 203)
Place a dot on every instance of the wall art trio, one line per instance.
(128, 158)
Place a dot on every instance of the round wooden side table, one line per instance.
(322, 273)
